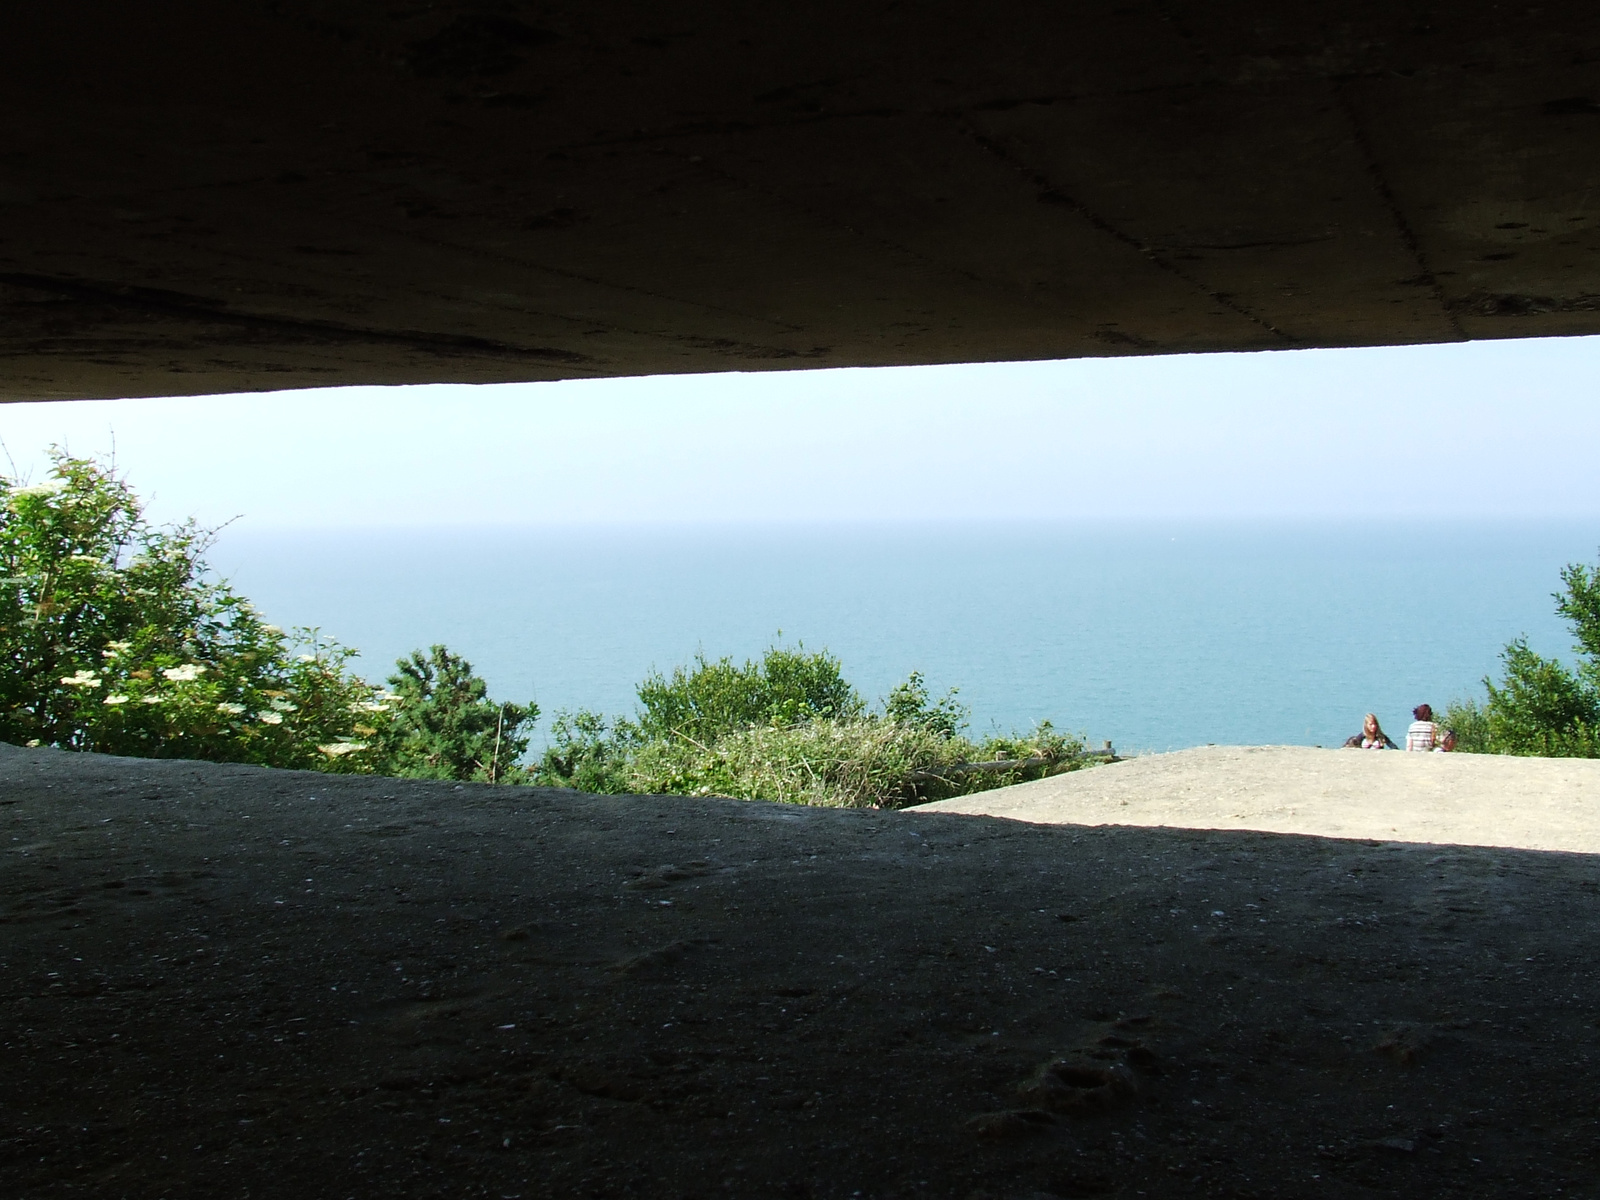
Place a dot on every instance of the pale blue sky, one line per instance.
(1486, 429)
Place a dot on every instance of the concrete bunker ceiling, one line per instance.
(200, 197)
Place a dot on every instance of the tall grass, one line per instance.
(849, 763)
(790, 729)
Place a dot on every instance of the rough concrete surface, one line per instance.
(1464, 799)
(221, 981)
(199, 197)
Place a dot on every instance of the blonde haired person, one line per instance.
(1371, 737)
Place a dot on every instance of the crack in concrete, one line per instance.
(1380, 182)
(201, 308)
(1051, 193)
(578, 276)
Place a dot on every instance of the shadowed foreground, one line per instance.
(223, 981)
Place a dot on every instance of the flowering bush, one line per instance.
(115, 640)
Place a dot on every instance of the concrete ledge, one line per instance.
(1463, 799)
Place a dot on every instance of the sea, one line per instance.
(1152, 636)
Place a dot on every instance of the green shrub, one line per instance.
(908, 703)
(711, 698)
(439, 723)
(853, 763)
(1541, 706)
(1471, 725)
(587, 752)
(717, 730)
(1056, 749)
(1580, 605)
(839, 763)
(114, 638)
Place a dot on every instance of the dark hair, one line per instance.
(1423, 712)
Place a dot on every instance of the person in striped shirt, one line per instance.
(1422, 732)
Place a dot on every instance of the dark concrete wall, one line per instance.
(226, 194)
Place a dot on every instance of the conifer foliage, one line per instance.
(443, 724)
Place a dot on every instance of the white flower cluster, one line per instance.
(187, 673)
(270, 718)
(231, 709)
(53, 488)
(115, 648)
(340, 749)
(82, 679)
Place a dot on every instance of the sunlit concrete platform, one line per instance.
(1459, 799)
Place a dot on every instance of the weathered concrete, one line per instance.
(1462, 799)
(198, 197)
(224, 981)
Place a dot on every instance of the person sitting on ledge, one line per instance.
(1422, 733)
(1447, 742)
(1371, 737)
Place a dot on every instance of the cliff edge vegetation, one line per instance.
(116, 637)
(1543, 706)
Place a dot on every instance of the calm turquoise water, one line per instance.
(1155, 637)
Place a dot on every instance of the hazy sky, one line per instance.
(1484, 429)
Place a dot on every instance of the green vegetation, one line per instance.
(117, 639)
(788, 687)
(114, 638)
(441, 724)
(791, 729)
(1541, 706)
